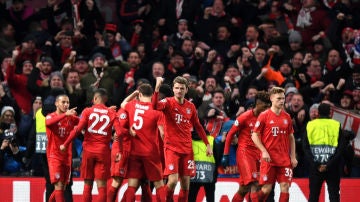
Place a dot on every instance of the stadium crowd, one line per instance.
(228, 50)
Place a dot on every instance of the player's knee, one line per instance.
(284, 187)
(266, 188)
(243, 189)
(158, 184)
(116, 182)
(171, 183)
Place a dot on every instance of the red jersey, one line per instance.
(143, 119)
(244, 125)
(58, 127)
(179, 120)
(121, 126)
(98, 121)
(275, 131)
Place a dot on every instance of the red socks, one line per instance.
(284, 197)
(254, 197)
(261, 196)
(183, 195)
(146, 194)
(237, 198)
(111, 195)
(161, 193)
(102, 194)
(52, 197)
(87, 193)
(129, 195)
(169, 194)
(59, 195)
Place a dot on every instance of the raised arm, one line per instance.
(154, 100)
(55, 119)
(129, 98)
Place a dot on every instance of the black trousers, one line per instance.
(209, 191)
(332, 178)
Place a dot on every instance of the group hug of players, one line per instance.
(139, 126)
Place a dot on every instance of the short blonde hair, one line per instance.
(181, 80)
(276, 90)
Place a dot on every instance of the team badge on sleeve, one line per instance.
(257, 124)
(123, 116)
(163, 100)
(236, 123)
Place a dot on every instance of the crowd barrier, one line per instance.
(33, 190)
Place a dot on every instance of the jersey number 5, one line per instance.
(104, 120)
(138, 120)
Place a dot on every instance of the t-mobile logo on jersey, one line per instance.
(178, 118)
(275, 130)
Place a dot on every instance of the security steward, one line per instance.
(323, 146)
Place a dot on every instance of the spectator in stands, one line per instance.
(28, 50)
(295, 42)
(102, 76)
(209, 87)
(334, 68)
(117, 44)
(314, 111)
(81, 65)
(208, 25)
(312, 22)
(7, 37)
(176, 67)
(19, 15)
(10, 154)
(212, 66)
(74, 91)
(216, 113)
(299, 114)
(172, 11)
(181, 34)
(353, 81)
(128, 12)
(252, 40)
(18, 87)
(61, 52)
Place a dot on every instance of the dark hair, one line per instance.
(61, 95)
(324, 110)
(102, 93)
(218, 90)
(263, 97)
(165, 89)
(145, 89)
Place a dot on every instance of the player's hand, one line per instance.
(209, 151)
(113, 107)
(132, 131)
(159, 81)
(294, 162)
(71, 112)
(225, 160)
(265, 156)
(62, 148)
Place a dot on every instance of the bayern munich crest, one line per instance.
(265, 178)
(171, 167)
